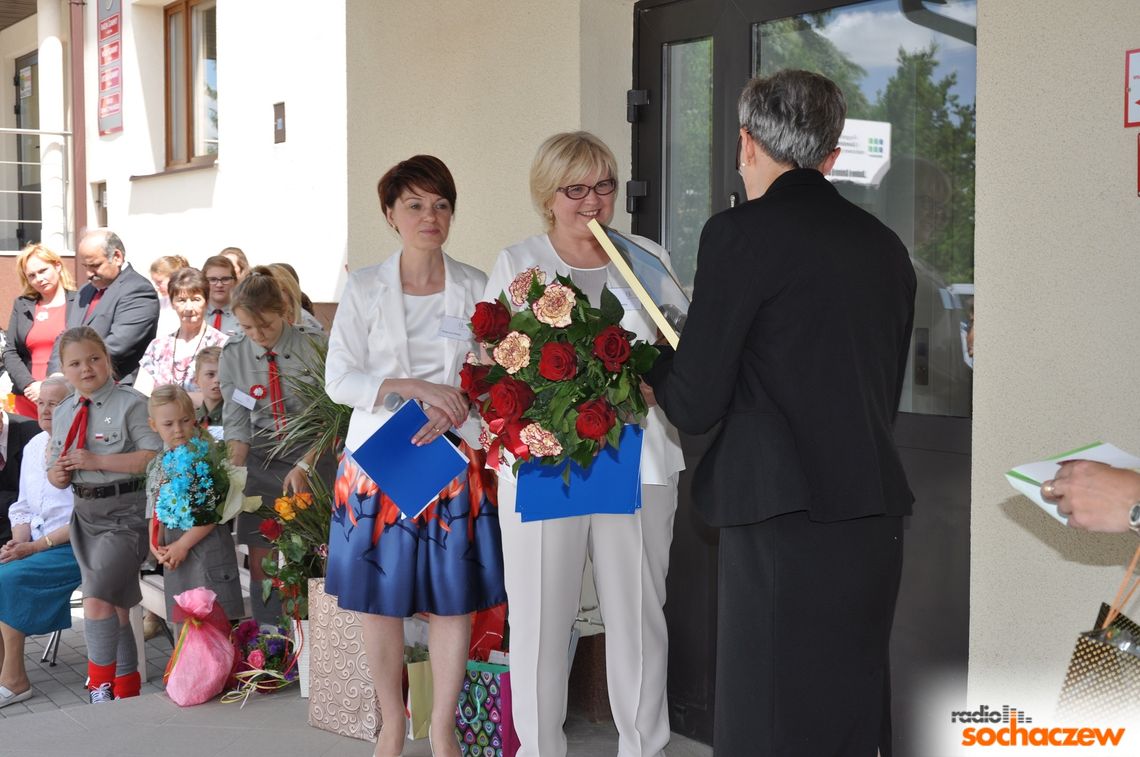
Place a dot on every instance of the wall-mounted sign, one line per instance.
(110, 69)
(1132, 88)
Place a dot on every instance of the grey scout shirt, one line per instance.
(116, 423)
(244, 375)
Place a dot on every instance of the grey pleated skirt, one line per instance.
(212, 563)
(109, 538)
(264, 479)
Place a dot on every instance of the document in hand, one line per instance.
(1028, 478)
(412, 476)
(611, 484)
(650, 278)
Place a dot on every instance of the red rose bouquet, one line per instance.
(565, 375)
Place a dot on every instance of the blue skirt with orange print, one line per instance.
(446, 561)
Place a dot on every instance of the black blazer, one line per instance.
(20, 431)
(17, 356)
(126, 317)
(797, 339)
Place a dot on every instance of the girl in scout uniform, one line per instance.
(100, 446)
(204, 554)
(255, 375)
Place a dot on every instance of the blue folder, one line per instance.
(412, 476)
(611, 484)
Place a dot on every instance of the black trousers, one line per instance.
(804, 625)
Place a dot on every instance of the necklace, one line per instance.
(179, 376)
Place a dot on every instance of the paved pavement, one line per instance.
(58, 721)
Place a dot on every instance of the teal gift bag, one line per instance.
(483, 720)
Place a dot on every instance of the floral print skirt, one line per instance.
(446, 561)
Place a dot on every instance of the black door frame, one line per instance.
(935, 449)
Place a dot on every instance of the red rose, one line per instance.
(473, 380)
(490, 321)
(595, 419)
(558, 362)
(510, 398)
(612, 346)
(270, 529)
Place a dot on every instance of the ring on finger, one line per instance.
(1049, 489)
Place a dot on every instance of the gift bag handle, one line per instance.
(476, 691)
(1124, 592)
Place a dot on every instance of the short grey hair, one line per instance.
(55, 381)
(108, 242)
(795, 116)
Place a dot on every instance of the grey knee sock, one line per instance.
(102, 639)
(127, 657)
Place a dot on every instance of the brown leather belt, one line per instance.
(107, 490)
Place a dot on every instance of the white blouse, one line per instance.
(40, 504)
(422, 319)
(661, 457)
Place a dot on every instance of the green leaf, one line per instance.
(611, 308)
(613, 436)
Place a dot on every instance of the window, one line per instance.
(191, 82)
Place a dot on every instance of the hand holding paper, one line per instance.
(1094, 495)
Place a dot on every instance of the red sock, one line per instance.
(97, 675)
(127, 685)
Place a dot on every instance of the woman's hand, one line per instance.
(647, 393)
(1094, 496)
(158, 552)
(17, 550)
(437, 425)
(32, 391)
(451, 400)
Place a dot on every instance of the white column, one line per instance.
(53, 157)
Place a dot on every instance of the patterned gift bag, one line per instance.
(481, 723)
(1103, 679)
(342, 698)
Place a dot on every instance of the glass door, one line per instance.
(907, 68)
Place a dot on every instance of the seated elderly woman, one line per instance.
(38, 571)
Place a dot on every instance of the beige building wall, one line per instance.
(479, 86)
(1058, 343)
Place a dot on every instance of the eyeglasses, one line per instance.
(219, 279)
(579, 191)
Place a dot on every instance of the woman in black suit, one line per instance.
(38, 317)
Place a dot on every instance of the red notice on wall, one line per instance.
(1132, 88)
(110, 69)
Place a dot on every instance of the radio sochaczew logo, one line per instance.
(1009, 727)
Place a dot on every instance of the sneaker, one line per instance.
(102, 694)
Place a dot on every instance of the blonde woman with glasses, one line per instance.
(573, 180)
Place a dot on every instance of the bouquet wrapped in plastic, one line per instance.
(204, 658)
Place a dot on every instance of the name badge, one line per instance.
(454, 327)
(627, 298)
(243, 399)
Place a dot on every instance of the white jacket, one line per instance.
(369, 340)
(661, 455)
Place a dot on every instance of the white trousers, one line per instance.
(543, 563)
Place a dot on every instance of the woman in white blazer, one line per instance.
(401, 332)
(573, 180)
